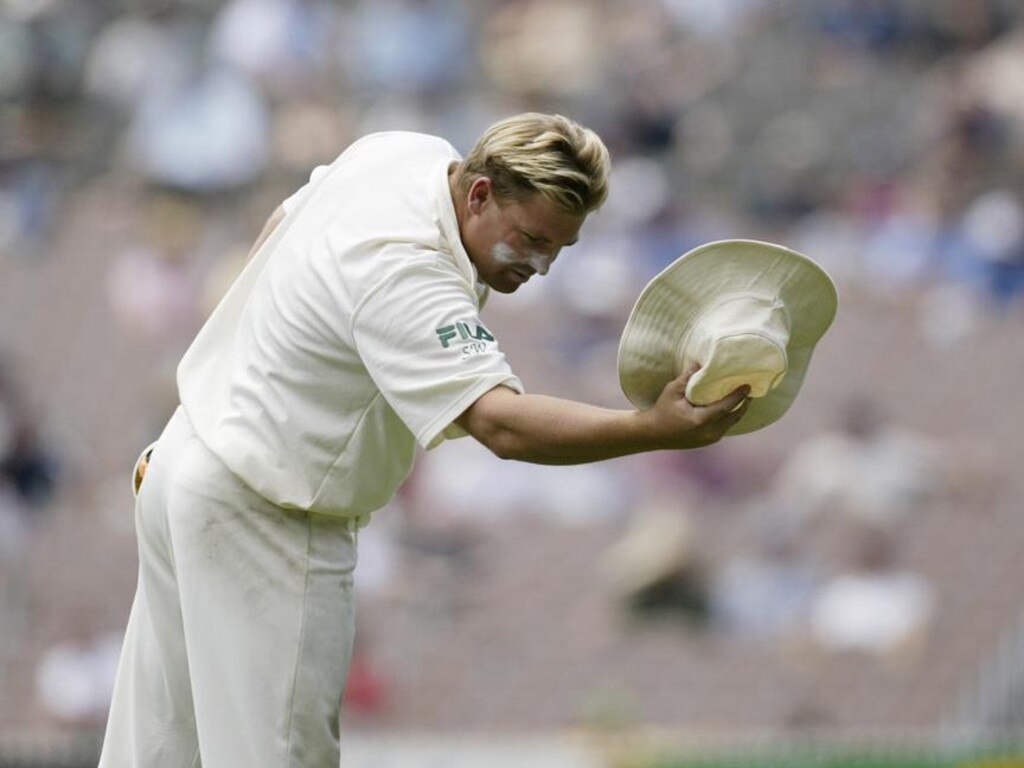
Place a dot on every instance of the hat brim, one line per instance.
(670, 303)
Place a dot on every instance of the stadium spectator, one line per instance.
(75, 679)
(27, 467)
(765, 594)
(152, 285)
(656, 569)
(205, 131)
(874, 607)
(866, 470)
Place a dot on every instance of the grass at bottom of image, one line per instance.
(824, 757)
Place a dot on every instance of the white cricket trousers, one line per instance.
(240, 636)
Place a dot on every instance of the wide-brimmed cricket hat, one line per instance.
(748, 312)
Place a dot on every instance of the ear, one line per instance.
(481, 192)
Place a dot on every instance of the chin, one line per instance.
(501, 285)
(506, 287)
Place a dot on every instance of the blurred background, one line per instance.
(846, 582)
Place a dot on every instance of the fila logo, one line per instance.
(461, 329)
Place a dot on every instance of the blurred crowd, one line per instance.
(883, 134)
(882, 137)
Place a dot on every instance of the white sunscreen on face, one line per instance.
(503, 254)
(506, 255)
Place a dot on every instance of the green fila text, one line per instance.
(464, 331)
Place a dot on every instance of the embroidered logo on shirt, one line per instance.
(462, 329)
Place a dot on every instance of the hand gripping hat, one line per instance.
(748, 312)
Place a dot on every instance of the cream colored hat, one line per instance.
(748, 312)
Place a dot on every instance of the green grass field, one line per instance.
(1003, 758)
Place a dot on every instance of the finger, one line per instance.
(676, 388)
(688, 371)
(734, 416)
(730, 401)
(678, 385)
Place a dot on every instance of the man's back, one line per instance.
(277, 383)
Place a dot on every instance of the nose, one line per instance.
(541, 262)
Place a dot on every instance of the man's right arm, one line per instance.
(549, 430)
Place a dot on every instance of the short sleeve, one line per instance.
(293, 202)
(419, 334)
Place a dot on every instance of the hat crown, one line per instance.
(739, 339)
(762, 309)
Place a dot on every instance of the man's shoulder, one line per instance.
(392, 141)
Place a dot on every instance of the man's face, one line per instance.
(511, 241)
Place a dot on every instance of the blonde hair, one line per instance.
(546, 154)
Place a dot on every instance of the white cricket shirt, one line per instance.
(353, 334)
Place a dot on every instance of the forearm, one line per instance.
(549, 430)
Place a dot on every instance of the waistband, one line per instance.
(352, 523)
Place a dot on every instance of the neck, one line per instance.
(457, 199)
